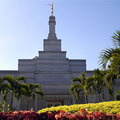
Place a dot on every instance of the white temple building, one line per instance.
(52, 70)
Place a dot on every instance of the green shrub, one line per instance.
(106, 107)
(1, 107)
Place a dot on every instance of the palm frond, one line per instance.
(116, 39)
(21, 78)
(5, 95)
(107, 56)
(9, 79)
(75, 80)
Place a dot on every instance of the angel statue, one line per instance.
(51, 8)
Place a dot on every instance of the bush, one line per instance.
(1, 107)
(19, 115)
(104, 107)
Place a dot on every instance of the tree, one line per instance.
(32, 90)
(109, 79)
(14, 86)
(107, 56)
(81, 84)
(98, 82)
(110, 61)
(3, 87)
(110, 58)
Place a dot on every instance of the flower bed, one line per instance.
(99, 111)
(84, 115)
(20, 115)
(59, 115)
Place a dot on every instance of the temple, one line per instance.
(53, 71)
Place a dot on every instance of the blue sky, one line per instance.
(84, 26)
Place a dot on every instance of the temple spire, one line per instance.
(52, 23)
(52, 44)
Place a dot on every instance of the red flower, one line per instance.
(82, 110)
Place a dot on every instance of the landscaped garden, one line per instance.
(98, 111)
(110, 62)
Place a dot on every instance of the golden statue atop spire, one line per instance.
(51, 8)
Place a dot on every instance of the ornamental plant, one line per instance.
(20, 115)
(59, 115)
(1, 107)
(104, 107)
(84, 115)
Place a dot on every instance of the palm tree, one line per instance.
(107, 56)
(110, 58)
(98, 82)
(3, 87)
(81, 84)
(103, 79)
(32, 90)
(14, 86)
(109, 79)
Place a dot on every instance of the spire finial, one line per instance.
(51, 8)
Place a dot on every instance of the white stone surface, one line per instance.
(52, 45)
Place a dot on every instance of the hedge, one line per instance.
(104, 107)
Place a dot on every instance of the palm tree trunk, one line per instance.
(98, 96)
(102, 95)
(85, 95)
(11, 104)
(27, 103)
(111, 96)
(86, 98)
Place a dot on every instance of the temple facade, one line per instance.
(53, 71)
